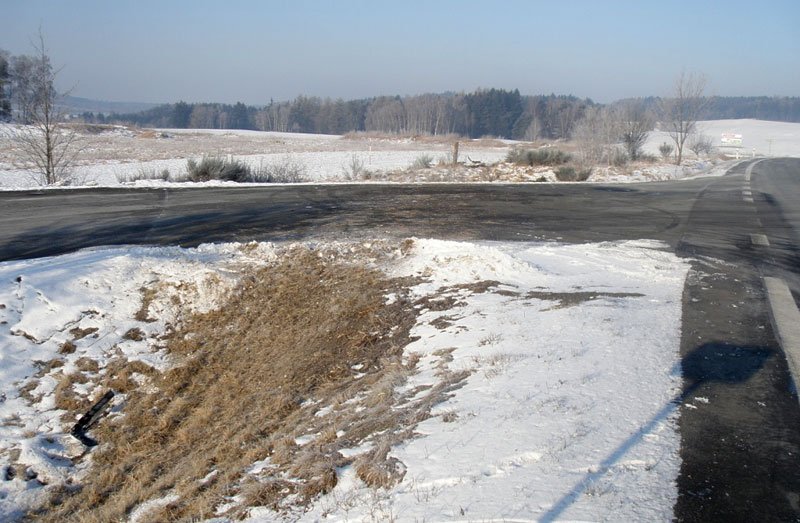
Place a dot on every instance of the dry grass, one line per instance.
(134, 334)
(148, 295)
(79, 334)
(65, 396)
(305, 334)
(68, 347)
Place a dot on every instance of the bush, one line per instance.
(701, 144)
(534, 157)
(423, 161)
(571, 174)
(144, 173)
(618, 157)
(356, 169)
(286, 171)
(215, 168)
(666, 150)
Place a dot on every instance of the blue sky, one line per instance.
(254, 51)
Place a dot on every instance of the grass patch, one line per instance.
(302, 361)
(538, 157)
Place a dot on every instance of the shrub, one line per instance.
(618, 157)
(356, 169)
(423, 161)
(666, 150)
(701, 144)
(571, 174)
(216, 168)
(286, 171)
(144, 173)
(533, 157)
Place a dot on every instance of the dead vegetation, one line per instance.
(303, 361)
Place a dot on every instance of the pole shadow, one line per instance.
(710, 362)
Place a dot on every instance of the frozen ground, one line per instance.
(567, 413)
(117, 156)
(759, 137)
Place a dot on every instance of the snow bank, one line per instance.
(567, 413)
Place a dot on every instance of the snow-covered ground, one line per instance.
(759, 137)
(567, 414)
(118, 156)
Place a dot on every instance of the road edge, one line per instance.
(786, 322)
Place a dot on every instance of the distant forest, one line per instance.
(488, 112)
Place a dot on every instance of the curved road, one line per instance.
(740, 449)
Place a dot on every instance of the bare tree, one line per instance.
(46, 145)
(701, 144)
(597, 135)
(680, 112)
(635, 123)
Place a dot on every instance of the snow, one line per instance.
(759, 137)
(567, 413)
(42, 300)
(119, 155)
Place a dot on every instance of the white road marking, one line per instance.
(749, 171)
(786, 320)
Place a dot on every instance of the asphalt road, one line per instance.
(41, 223)
(739, 413)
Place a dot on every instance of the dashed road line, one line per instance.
(786, 320)
(748, 173)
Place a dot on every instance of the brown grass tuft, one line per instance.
(85, 364)
(65, 396)
(378, 470)
(134, 334)
(148, 295)
(79, 334)
(68, 347)
(246, 379)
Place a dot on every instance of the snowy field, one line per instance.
(120, 156)
(759, 137)
(567, 412)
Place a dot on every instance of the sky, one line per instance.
(254, 51)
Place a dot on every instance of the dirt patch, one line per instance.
(302, 361)
(572, 299)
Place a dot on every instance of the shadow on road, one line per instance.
(187, 231)
(710, 362)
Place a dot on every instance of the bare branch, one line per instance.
(679, 114)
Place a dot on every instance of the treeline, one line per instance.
(774, 108)
(489, 112)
